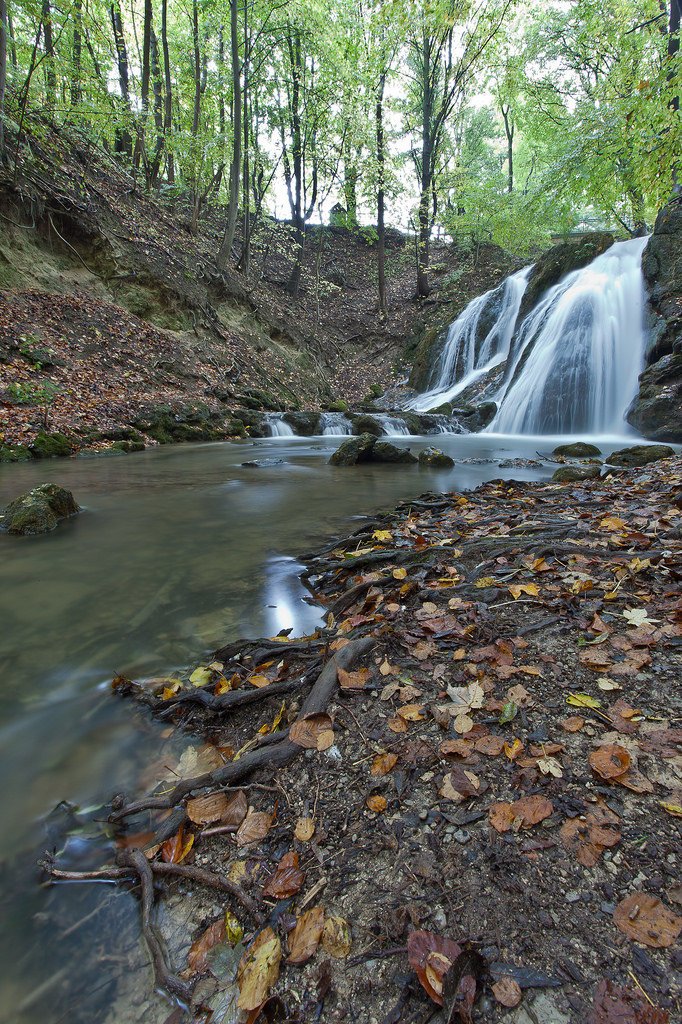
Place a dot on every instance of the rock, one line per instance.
(355, 449)
(476, 417)
(559, 261)
(364, 424)
(256, 400)
(254, 421)
(305, 424)
(14, 453)
(657, 410)
(640, 455)
(39, 510)
(436, 458)
(338, 405)
(263, 463)
(544, 1006)
(577, 450)
(384, 451)
(50, 446)
(191, 422)
(129, 446)
(567, 474)
(424, 358)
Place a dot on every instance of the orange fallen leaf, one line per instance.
(609, 761)
(353, 680)
(412, 712)
(507, 992)
(383, 764)
(210, 937)
(314, 732)
(376, 803)
(175, 849)
(286, 880)
(646, 919)
(305, 937)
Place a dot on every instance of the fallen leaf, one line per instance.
(609, 761)
(614, 1005)
(305, 829)
(412, 712)
(550, 766)
(532, 810)
(382, 535)
(201, 676)
(583, 700)
(501, 816)
(670, 808)
(254, 827)
(507, 992)
(286, 880)
(573, 723)
(399, 574)
(353, 680)
(508, 713)
(383, 764)
(459, 785)
(638, 617)
(490, 745)
(516, 589)
(314, 732)
(431, 957)
(203, 810)
(513, 749)
(304, 939)
(646, 919)
(175, 849)
(259, 681)
(587, 840)
(613, 523)
(258, 970)
(376, 803)
(336, 937)
(210, 937)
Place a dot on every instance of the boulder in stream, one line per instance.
(577, 450)
(640, 455)
(384, 451)
(365, 424)
(355, 449)
(569, 474)
(39, 510)
(435, 459)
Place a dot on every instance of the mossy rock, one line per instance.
(192, 422)
(424, 358)
(435, 458)
(39, 510)
(569, 474)
(305, 424)
(640, 455)
(362, 424)
(128, 446)
(14, 453)
(354, 450)
(553, 265)
(337, 406)
(384, 451)
(260, 400)
(577, 450)
(50, 446)
(443, 410)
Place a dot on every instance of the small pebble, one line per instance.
(572, 897)
(462, 836)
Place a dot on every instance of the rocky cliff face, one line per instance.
(657, 410)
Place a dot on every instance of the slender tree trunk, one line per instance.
(245, 258)
(50, 73)
(295, 63)
(139, 154)
(196, 113)
(123, 142)
(381, 196)
(76, 54)
(236, 162)
(3, 75)
(673, 50)
(168, 99)
(12, 40)
(426, 176)
(158, 111)
(509, 132)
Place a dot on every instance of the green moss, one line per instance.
(337, 406)
(50, 446)
(14, 453)
(129, 446)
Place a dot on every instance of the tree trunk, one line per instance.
(168, 99)
(158, 111)
(123, 142)
(139, 154)
(50, 73)
(12, 43)
(381, 196)
(245, 258)
(76, 54)
(3, 75)
(673, 50)
(225, 251)
(509, 132)
(295, 63)
(424, 232)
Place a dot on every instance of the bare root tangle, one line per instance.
(233, 698)
(164, 976)
(275, 756)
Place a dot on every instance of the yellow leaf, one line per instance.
(305, 830)
(399, 574)
(201, 676)
(485, 581)
(259, 680)
(336, 937)
(674, 809)
(234, 932)
(258, 970)
(613, 523)
(517, 589)
(382, 535)
(583, 700)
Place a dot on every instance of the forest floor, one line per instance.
(465, 789)
(110, 304)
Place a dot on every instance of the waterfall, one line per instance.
(577, 356)
(477, 341)
(277, 426)
(334, 424)
(392, 426)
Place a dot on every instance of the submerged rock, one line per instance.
(567, 474)
(577, 450)
(39, 510)
(640, 455)
(436, 458)
(384, 451)
(355, 449)
(263, 463)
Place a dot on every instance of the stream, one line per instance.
(178, 550)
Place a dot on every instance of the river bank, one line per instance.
(498, 766)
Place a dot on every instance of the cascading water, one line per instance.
(577, 356)
(392, 426)
(334, 424)
(477, 341)
(277, 426)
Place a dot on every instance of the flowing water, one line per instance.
(178, 550)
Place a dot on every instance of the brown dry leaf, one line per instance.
(314, 732)
(613, 523)
(236, 810)
(463, 724)
(646, 919)
(431, 956)
(633, 780)
(254, 827)
(514, 749)
(336, 937)
(305, 937)
(203, 810)
(501, 816)
(456, 748)
(376, 803)
(175, 849)
(305, 830)
(609, 761)
(507, 992)
(587, 840)
(490, 745)
(532, 810)
(258, 681)
(383, 764)
(573, 723)
(214, 934)
(460, 785)
(353, 680)
(258, 970)
(397, 724)
(412, 712)
(286, 880)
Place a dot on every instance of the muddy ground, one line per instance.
(493, 780)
